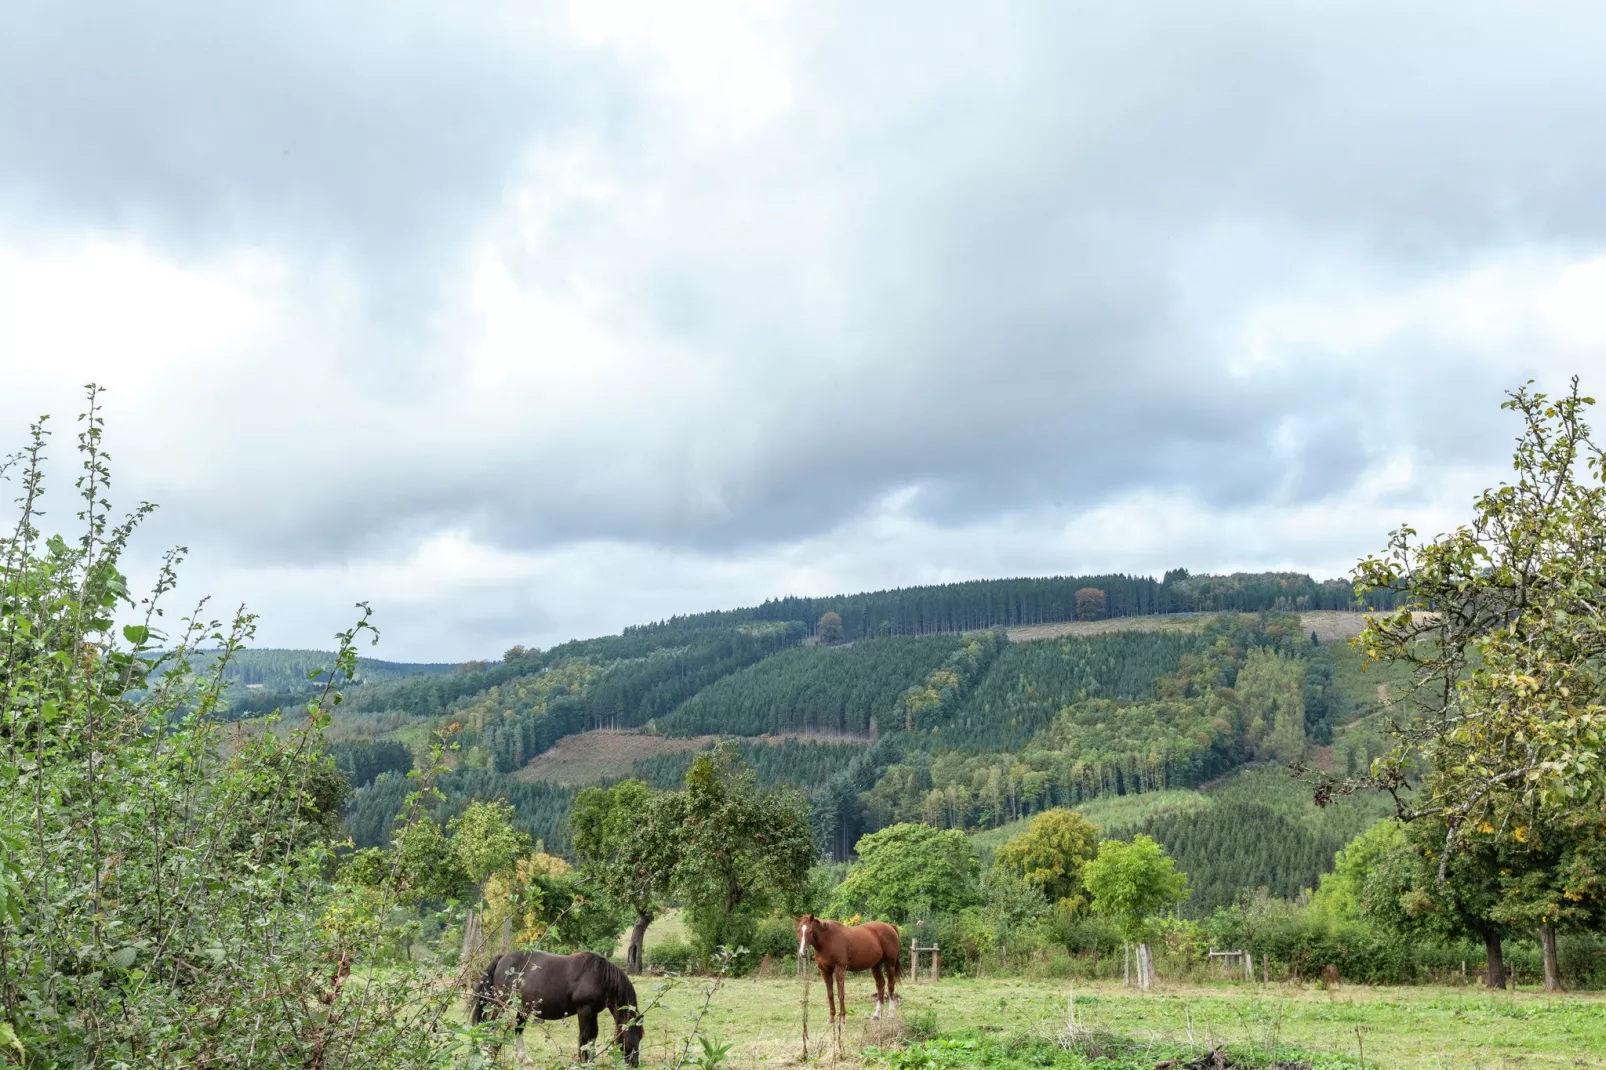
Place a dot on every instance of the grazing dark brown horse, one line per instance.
(839, 948)
(550, 987)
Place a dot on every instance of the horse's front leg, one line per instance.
(518, 1033)
(830, 997)
(588, 1034)
(842, 993)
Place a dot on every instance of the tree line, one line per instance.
(977, 605)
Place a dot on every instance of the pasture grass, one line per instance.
(1006, 1023)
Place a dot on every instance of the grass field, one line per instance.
(1428, 1027)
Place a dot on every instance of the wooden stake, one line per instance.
(807, 978)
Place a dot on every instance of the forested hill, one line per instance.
(293, 670)
(980, 604)
(917, 707)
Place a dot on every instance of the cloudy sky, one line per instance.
(531, 321)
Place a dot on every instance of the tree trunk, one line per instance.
(1495, 975)
(1126, 963)
(638, 937)
(1547, 940)
(1145, 967)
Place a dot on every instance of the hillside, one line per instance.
(294, 670)
(974, 706)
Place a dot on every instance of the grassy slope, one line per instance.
(1268, 785)
(1113, 812)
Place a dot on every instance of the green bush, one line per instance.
(1084, 932)
(713, 928)
(775, 937)
(672, 955)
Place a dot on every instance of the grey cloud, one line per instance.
(377, 134)
(993, 256)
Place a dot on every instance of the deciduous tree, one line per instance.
(1051, 854)
(908, 867)
(742, 850)
(1553, 877)
(485, 839)
(829, 629)
(1501, 627)
(1409, 893)
(1131, 883)
(628, 839)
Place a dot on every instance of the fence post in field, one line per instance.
(472, 937)
(936, 963)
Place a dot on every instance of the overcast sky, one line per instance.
(527, 322)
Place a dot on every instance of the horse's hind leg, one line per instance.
(880, 990)
(588, 1034)
(892, 988)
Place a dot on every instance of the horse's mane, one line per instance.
(616, 986)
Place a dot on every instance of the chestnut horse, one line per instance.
(838, 948)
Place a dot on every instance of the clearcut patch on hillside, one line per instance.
(1328, 624)
(592, 757)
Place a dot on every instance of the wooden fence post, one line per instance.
(936, 963)
(472, 937)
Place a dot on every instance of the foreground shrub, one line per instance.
(164, 891)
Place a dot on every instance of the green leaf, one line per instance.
(8, 1039)
(123, 957)
(136, 633)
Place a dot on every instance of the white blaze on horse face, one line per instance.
(803, 938)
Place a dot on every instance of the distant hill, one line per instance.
(291, 670)
(970, 705)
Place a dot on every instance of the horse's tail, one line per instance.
(483, 994)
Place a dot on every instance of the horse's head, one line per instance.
(630, 1042)
(808, 927)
